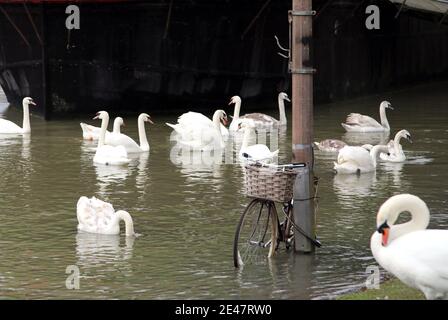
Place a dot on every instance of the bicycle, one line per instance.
(259, 227)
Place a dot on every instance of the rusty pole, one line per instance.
(301, 19)
(302, 81)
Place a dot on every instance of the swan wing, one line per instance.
(261, 119)
(7, 126)
(120, 139)
(96, 216)
(193, 118)
(357, 119)
(259, 152)
(356, 155)
(422, 256)
(111, 155)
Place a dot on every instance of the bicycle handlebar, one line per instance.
(275, 166)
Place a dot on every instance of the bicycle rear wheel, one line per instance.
(257, 233)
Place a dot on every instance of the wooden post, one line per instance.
(301, 17)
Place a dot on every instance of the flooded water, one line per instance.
(187, 214)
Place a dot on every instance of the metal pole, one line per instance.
(301, 17)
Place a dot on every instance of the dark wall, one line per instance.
(134, 56)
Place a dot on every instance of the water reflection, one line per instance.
(95, 250)
(351, 186)
(286, 270)
(394, 171)
(197, 165)
(107, 176)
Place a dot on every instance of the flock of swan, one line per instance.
(416, 255)
(363, 159)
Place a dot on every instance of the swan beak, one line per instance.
(231, 102)
(149, 120)
(384, 229)
(390, 107)
(225, 121)
(97, 116)
(409, 139)
(32, 102)
(287, 99)
(385, 236)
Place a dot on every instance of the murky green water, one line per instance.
(187, 214)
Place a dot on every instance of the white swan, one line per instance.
(360, 123)
(256, 152)
(330, 145)
(109, 155)
(10, 127)
(415, 255)
(191, 120)
(396, 153)
(96, 216)
(92, 133)
(358, 159)
(120, 139)
(205, 135)
(261, 120)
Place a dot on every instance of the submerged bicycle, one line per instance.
(260, 229)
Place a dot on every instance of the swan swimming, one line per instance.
(261, 120)
(415, 255)
(206, 135)
(256, 152)
(190, 121)
(358, 159)
(96, 216)
(92, 133)
(396, 153)
(120, 139)
(105, 154)
(356, 122)
(9, 127)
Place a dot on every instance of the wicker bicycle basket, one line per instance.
(269, 183)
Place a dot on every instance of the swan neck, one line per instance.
(102, 137)
(26, 119)
(236, 112)
(129, 224)
(397, 143)
(383, 117)
(419, 217)
(144, 145)
(281, 108)
(375, 151)
(116, 128)
(217, 121)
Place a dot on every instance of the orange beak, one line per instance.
(385, 236)
(225, 121)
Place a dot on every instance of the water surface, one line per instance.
(187, 214)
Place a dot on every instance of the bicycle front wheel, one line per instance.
(257, 233)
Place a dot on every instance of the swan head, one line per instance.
(386, 105)
(28, 101)
(119, 121)
(235, 100)
(405, 134)
(222, 116)
(101, 115)
(392, 208)
(246, 124)
(283, 96)
(146, 118)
